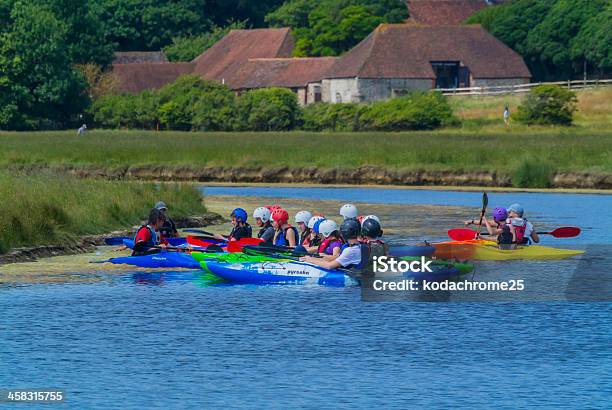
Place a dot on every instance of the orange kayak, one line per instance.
(482, 250)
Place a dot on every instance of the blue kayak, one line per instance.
(176, 242)
(266, 273)
(159, 260)
(400, 251)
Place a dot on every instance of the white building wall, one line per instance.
(371, 89)
(340, 90)
(498, 82)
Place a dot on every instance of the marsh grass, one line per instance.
(49, 209)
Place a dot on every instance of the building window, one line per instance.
(399, 92)
(338, 97)
(317, 93)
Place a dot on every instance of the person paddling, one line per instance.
(240, 227)
(262, 217)
(506, 234)
(525, 232)
(285, 234)
(148, 239)
(332, 241)
(353, 255)
(301, 220)
(169, 229)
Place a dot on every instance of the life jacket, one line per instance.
(520, 227)
(144, 248)
(281, 239)
(505, 237)
(305, 238)
(324, 247)
(365, 256)
(247, 227)
(264, 229)
(168, 229)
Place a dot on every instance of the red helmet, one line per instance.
(280, 216)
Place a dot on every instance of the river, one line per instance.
(126, 339)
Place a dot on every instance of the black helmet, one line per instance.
(371, 228)
(350, 229)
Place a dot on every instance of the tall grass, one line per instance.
(49, 209)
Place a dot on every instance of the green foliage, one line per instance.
(269, 109)
(416, 111)
(188, 48)
(115, 111)
(330, 27)
(533, 173)
(333, 117)
(594, 42)
(548, 105)
(38, 86)
(53, 209)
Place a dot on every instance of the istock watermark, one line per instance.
(385, 264)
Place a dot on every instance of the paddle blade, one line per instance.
(198, 231)
(250, 241)
(485, 201)
(461, 234)
(566, 232)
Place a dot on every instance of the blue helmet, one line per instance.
(516, 208)
(317, 225)
(240, 214)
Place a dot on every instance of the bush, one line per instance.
(416, 111)
(333, 117)
(533, 173)
(268, 109)
(547, 105)
(114, 111)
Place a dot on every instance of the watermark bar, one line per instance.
(29, 395)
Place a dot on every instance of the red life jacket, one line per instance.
(520, 226)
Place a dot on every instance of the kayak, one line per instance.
(176, 242)
(280, 272)
(222, 257)
(442, 269)
(159, 260)
(482, 250)
(400, 251)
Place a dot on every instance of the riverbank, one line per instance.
(54, 214)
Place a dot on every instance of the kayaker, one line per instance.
(353, 255)
(374, 217)
(315, 238)
(371, 233)
(506, 234)
(284, 234)
(332, 241)
(169, 228)
(148, 239)
(349, 211)
(525, 231)
(301, 220)
(262, 219)
(241, 229)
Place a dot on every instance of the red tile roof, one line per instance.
(130, 57)
(221, 61)
(280, 72)
(134, 78)
(407, 50)
(443, 12)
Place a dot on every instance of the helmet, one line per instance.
(314, 219)
(240, 214)
(371, 228)
(365, 218)
(349, 211)
(516, 208)
(262, 213)
(317, 225)
(273, 208)
(280, 216)
(303, 216)
(328, 227)
(350, 228)
(500, 214)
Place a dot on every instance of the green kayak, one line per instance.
(237, 257)
(463, 268)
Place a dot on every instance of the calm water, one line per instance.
(170, 340)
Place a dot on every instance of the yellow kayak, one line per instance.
(482, 250)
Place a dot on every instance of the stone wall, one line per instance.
(340, 90)
(385, 88)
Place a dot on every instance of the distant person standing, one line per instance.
(507, 115)
(82, 130)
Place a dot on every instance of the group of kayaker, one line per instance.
(510, 226)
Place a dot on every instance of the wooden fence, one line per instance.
(522, 88)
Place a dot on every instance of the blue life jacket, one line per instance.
(365, 256)
(281, 240)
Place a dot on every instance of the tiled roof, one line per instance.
(134, 78)
(130, 57)
(280, 72)
(443, 12)
(407, 50)
(226, 57)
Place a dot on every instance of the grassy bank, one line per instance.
(52, 210)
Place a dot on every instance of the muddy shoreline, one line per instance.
(365, 175)
(88, 243)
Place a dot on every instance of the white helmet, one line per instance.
(312, 221)
(349, 211)
(303, 216)
(328, 227)
(377, 219)
(262, 213)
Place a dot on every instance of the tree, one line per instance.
(268, 109)
(222, 12)
(594, 42)
(38, 86)
(99, 82)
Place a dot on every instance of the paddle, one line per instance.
(115, 241)
(199, 231)
(467, 234)
(236, 246)
(485, 203)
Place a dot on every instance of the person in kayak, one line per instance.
(148, 239)
(506, 234)
(241, 229)
(349, 211)
(301, 220)
(315, 238)
(262, 219)
(332, 241)
(284, 234)
(525, 232)
(371, 233)
(353, 255)
(169, 228)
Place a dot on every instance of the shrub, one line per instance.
(533, 173)
(114, 111)
(333, 117)
(547, 105)
(268, 109)
(416, 111)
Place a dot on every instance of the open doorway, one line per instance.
(447, 73)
